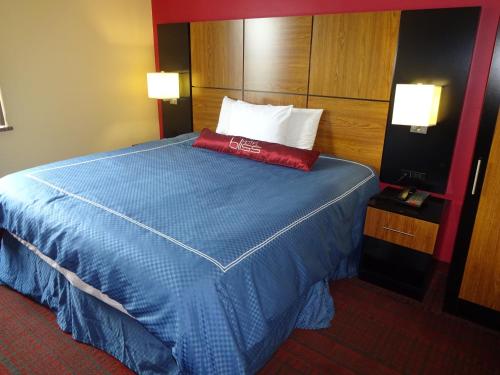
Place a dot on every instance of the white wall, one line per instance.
(73, 77)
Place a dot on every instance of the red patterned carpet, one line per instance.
(374, 332)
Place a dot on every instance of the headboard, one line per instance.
(342, 63)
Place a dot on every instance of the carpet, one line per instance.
(374, 332)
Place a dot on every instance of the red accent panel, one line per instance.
(271, 153)
(167, 11)
(157, 66)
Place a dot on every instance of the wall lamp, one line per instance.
(416, 105)
(164, 86)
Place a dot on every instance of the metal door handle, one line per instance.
(478, 167)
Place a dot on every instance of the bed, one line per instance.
(176, 259)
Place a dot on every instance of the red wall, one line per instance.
(167, 11)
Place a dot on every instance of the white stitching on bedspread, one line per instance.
(73, 278)
(111, 156)
(133, 221)
(295, 223)
(223, 268)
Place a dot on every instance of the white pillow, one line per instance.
(225, 115)
(261, 122)
(302, 128)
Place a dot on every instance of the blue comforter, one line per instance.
(218, 257)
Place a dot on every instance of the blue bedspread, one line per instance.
(218, 257)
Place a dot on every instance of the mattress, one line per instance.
(216, 257)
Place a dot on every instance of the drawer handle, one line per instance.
(399, 231)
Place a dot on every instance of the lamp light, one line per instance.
(416, 105)
(163, 86)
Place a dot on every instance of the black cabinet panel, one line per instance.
(177, 118)
(173, 47)
(174, 56)
(435, 47)
(394, 267)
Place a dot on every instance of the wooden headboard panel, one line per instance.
(342, 63)
(351, 129)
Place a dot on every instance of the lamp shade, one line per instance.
(416, 104)
(163, 85)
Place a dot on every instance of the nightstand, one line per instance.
(399, 244)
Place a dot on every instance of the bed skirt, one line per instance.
(93, 322)
(86, 318)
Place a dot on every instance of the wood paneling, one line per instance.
(217, 54)
(206, 106)
(353, 55)
(401, 230)
(277, 54)
(351, 129)
(481, 280)
(298, 101)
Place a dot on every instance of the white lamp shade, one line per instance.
(416, 105)
(163, 85)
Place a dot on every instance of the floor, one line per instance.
(374, 332)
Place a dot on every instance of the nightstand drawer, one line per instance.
(401, 230)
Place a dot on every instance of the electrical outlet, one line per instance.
(414, 175)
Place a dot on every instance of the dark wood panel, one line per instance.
(351, 129)
(396, 267)
(174, 47)
(174, 51)
(432, 211)
(177, 118)
(277, 54)
(206, 106)
(298, 101)
(353, 55)
(217, 54)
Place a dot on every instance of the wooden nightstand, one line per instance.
(399, 243)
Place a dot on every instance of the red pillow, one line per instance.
(272, 153)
